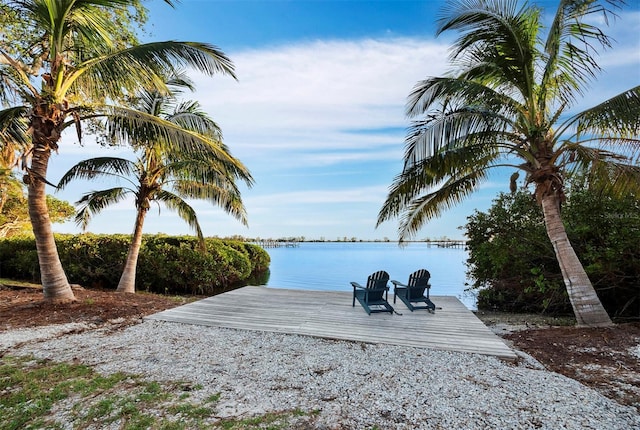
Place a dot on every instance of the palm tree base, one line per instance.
(57, 300)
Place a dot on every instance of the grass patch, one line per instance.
(22, 284)
(270, 421)
(34, 392)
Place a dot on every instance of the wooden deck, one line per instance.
(329, 314)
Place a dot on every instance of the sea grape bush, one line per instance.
(512, 263)
(167, 264)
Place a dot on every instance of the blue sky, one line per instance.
(317, 113)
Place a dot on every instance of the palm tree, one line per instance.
(505, 104)
(164, 172)
(72, 62)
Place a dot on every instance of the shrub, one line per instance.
(166, 264)
(513, 264)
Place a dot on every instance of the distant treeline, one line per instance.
(166, 265)
(293, 239)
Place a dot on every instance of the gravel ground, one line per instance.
(352, 385)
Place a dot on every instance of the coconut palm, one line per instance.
(506, 103)
(73, 61)
(164, 172)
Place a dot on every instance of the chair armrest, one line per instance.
(398, 283)
(356, 285)
(377, 289)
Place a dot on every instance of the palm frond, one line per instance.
(179, 81)
(161, 103)
(496, 37)
(190, 116)
(88, 22)
(475, 129)
(222, 194)
(455, 93)
(96, 167)
(431, 205)
(617, 117)
(108, 74)
(571, 46)
(206, 180)
(186, 212)
(13, 127)
(175, 142)
(612, 172)
(204, 169)
(94, 202)
(15, 79)
(613, 178)
(431, 173)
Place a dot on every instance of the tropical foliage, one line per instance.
(14, 216)
(506, 102)
(60, 63)
(514, 267)
(166, 172)
(169, 264)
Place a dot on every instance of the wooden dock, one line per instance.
(329, 315)
(277, 243)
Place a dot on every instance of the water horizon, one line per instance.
(331, 266)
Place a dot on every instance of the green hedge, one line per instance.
(514, 267)
(166, 264)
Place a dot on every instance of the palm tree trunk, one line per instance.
(585, 302)
(55, 285)
(127, 282)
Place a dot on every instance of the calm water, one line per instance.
(331, 266)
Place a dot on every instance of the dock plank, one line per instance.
(330, 315)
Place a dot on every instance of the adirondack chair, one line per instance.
(373, 297)
(413, 291)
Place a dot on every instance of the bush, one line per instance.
(511, 259)
(166, 264)
(513, 263)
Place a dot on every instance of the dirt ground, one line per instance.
(606, 359)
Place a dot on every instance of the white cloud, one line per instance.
(325, 108)
(311, 94)
(373, 194)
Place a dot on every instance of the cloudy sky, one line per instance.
(317, 112)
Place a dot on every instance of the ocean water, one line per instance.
(333, 265)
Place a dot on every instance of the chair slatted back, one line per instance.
(377, 280)
(418, 280)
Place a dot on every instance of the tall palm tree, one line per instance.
(506, 103)
(163, 171)
(71, 64)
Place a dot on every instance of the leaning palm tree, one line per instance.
(163, 172)
(506, 103)
(62, 61)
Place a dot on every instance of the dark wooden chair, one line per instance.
(373, 297)
(414, 291)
